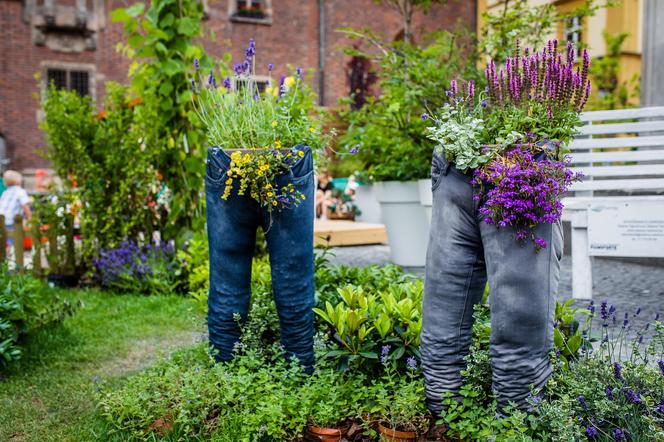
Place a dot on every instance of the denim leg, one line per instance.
(454, 282)
(523, 286)
(289, 235)
(231, 226)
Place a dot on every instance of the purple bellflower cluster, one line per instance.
(519, 191)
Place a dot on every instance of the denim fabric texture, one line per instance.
(232, 226)
(463, 253)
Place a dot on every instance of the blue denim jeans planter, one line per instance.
(232, 226)
(463, 253)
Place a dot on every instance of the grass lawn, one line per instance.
(50, 394)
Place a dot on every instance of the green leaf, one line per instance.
(166, 88)
(186, 26)
(120, 15)
(136, 9)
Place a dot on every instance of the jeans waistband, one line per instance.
(447, 167)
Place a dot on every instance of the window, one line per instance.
(261, 83)
(573, 30)
(73, 80)
(254, 11)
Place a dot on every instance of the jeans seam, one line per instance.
(465, 301)
(548, 295)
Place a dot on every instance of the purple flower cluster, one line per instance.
(519, 191)
(543, 76)
(129, 261)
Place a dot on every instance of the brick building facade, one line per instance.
(72, 42)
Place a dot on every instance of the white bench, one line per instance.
(618, 210)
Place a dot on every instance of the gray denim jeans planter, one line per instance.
(463, 253)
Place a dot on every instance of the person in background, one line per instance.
(14, 200)
(323, 193)
(351, 187)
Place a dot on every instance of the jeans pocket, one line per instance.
(436, 171)
(216, 167)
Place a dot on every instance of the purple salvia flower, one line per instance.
(617, 371)
(270, 67)
(660, 363)
(609, 393)
(298, 71)
(453, 87)
(425, 116)
(582, 400)
(591, 431)
(197, 64)
(227, 83)
(618, 434)
(355, 149)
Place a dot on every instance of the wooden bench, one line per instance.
(618, 210)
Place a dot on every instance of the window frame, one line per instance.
(69, 68)
(235, 16)
(573, 27)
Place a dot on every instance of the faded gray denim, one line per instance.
(463, 252)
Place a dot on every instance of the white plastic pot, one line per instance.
(365, 200)
(405, 221)
(426, 199)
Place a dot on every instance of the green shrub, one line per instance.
(388, 129)
(26, 304)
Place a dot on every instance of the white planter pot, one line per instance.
(426, 199)
(365, 199)
(405, 221)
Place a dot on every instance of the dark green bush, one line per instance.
(26, 304)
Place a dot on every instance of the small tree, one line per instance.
(605, 73)
(406, 8)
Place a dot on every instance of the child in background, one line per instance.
(14, 200)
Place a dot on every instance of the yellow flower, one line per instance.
(268, 186)
(269, 194)
(274, 123)
(274, 203)
(300, 153)
(289, 82)
(312, 130)
(268, 90)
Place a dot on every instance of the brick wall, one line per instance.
(291, 38)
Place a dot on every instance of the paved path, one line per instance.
(627, 286)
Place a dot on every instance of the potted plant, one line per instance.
(401, 409)
(386, 132)
(342, 206)
(329, 394)
(513, 136)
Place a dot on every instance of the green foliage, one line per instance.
(389, 128)
(564, 416)
(531, 25)
(26, 304)
(400, 400)
(160, 42)
(568, 334)
(89, 152)
(362, 323)
(605, 73)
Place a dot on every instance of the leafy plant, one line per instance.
(362, 322)
(161, 47)
(388, 131)
(26, 304)
(90, 150)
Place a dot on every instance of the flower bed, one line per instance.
(367, 376)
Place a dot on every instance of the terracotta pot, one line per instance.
(327, 434)
(390, 435)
